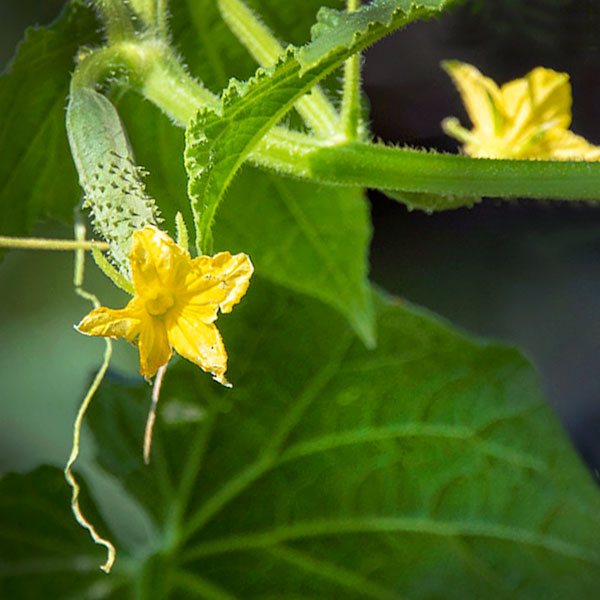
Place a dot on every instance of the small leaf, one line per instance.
(36, 183)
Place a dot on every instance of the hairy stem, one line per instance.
(351, 124)
(375, 166)
(116, 18)
(314, 108)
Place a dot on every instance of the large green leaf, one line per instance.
(430, 467)
(37, 176)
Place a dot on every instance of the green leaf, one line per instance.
(44, 552)
(310, 238)
(430, 467)
(37, 176)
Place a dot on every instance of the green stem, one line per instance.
(314, 108)
(153, 70)
(350, 118)
(370, 165)
(162, 18)
(116, 18)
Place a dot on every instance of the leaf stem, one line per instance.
(314, 107)
(383, 167)
(351, 124)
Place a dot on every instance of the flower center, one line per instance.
(159, 302)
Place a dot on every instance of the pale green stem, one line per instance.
(154, 71)
(45, 244)
(314, 108)
(351, 124)
(116, 18)
(453, 128)
(384, 167)
(162, 18)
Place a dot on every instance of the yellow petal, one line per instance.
(566, 145)
(480, 96)
(538, 102)
(218, 281)
(199, 342)
(157, 262)
(153, 345)
(515, 98)
(106, 322)
(551, 96)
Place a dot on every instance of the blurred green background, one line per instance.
(524, 272)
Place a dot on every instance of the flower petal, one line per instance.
(538, 102)
(551, 94)
(199, 342)
(157, 261)
(153, 345)
(218, 281)
(566, 145)
(106, 322)
(480, 96)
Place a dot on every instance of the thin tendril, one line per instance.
(46, 244)
(98, 539)
(152, 414)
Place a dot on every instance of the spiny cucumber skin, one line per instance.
(114, 192)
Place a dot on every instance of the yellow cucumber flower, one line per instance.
(175, 304)
(524, 119)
